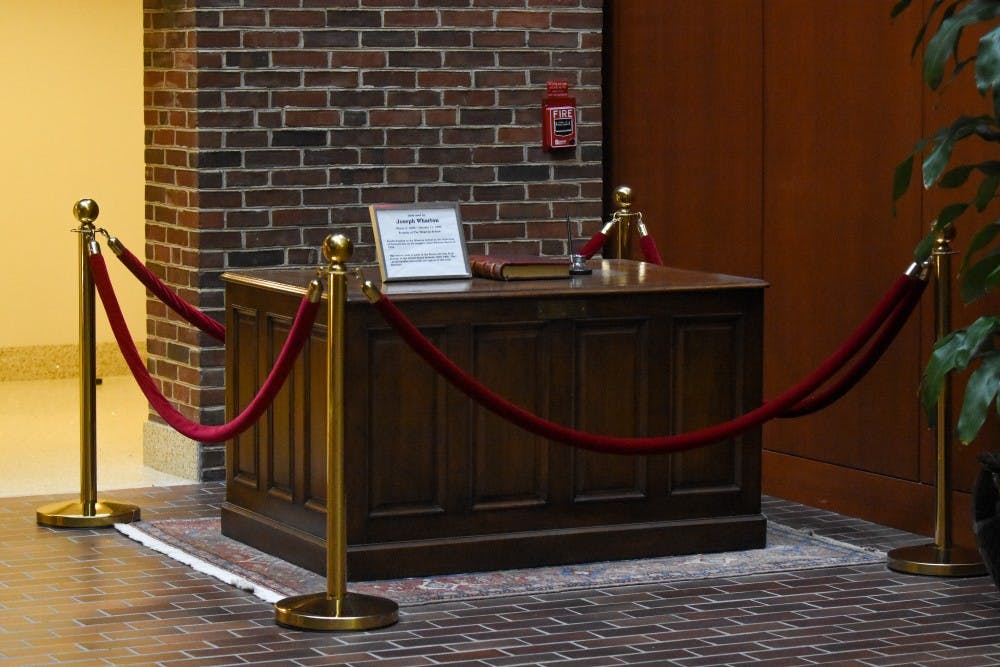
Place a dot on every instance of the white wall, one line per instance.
(72, 128)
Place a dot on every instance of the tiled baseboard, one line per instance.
(54, 362)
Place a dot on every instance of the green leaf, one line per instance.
(901, 178)
(980, 337)
(945, 42)
(961, 64)
(954, 352)
(943, 360)
(988, 132)
(987, 190)
(980, 391)
(899, 8)
(944, 143)
(927, 22)
(993, 279)
(923, 250)
(981, 277)
(989, 168)
(980, 240)
(904, 172)
(988, 61)
(956, 177)
(949, 213)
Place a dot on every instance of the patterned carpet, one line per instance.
(200, 544)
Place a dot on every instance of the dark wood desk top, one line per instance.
(610, 275)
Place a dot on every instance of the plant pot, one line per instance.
(986, 513)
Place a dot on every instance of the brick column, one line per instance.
(272, 124)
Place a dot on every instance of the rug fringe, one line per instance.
(793, 550)
(225, 576)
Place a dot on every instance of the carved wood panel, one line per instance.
(613, 362)
(434, 481)
(708, 389)
(406, 430)
(510, 467)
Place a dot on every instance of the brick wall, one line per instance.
(272, 123)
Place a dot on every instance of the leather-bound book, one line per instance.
(518, 267)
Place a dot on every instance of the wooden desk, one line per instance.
(436, 484)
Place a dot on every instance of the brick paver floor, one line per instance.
(93, 597)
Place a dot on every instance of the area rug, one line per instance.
(200, 544)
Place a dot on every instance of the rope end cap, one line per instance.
(314, 292)
(370, 291)
(116, 245)
(918, 270)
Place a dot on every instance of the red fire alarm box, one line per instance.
(558, 117)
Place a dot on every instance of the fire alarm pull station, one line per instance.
(558, 117)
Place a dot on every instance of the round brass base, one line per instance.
(936, 561)
(354, 611)
(73, 514)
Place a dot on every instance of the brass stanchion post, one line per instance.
(336, 609)
(942, 558)
(626, 227)
(88, 511)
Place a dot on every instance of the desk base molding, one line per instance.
(503, 551)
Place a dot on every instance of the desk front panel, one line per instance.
(437, 483)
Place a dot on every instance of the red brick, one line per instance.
(514, 19)
(395, 117)
(498, 39)
(274, 38)
(416, 18)
(312, 118)
(444, 79)
(391, 123)
(314, 59)
(299, 98)
(244, 18)
(279, 18)
(467, 18)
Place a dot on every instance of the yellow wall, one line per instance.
(72, 128)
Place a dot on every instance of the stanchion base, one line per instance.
(930, 559)
(73, 514)
(317, 611)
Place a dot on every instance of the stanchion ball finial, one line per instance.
(337, 248)
(86, 211)
(623, 196)
(946, 234)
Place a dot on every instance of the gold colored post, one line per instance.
(337, 609)
(88, 512)
(942, 558)
(336, 521)
(624, 235)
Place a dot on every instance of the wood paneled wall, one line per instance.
(759, 138)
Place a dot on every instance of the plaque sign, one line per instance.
(419, 242)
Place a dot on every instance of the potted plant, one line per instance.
(959, 35)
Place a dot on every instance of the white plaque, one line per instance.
(419, 242)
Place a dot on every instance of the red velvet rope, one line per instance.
(168, 296)
(649, 251)
(595, 243)
(646, 243)
(899, 316)
(645, 445)
(299, 333)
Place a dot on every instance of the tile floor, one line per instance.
(92, 597)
